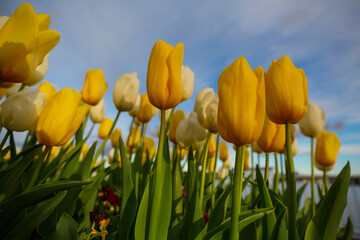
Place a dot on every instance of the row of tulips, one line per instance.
(58, 187)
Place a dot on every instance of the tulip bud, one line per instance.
(21, 111)
(97, 112)
(313, 124)
(146, 110)
(223, 172)
(105, 127)
(272, 138)
(211, 165)
(206, 109)
(84, 150)
(212, 146)
(14, 89)
(256, 148)
(241, 110)
(61, 118)
(164, 83)
(227, 163)
(187, 82)
(223, 151)
(286, 92)
(39, 73)
(126, 91)
(178, 116)
(114, 137)
(327, 149)
(134, 137)
(48, 89)
(94, 87)
(134, 111)
(323, 168)
(199, 96)
(148, 147)
(189, 132)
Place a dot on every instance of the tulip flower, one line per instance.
(206, 109)
(61, 118)
(246, 160)
(126, 91)
(84, 150)
(111, 157)
(294, 147)
(39, 73)
(189, 132)
(212, 147)
(211, 165)
(20, 111)
(223, 172)
(48, 89)
(24, 42)
(104, 128)
(2, 92)
(224, 151)
(313, 124)
(146, 110)
(323, 168)
(115, 136)
(134, 137)
(272, 138)
(199, 96)
(256, 148)
(187, 82)
(134, 111)
(178, 116)
(94, 87)
(164, 82)
(14, 89)
(327, 149)
(148, 148)
(97, 112)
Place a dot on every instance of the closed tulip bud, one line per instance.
(211, 165)
(241, 110)
(313, 124)
(97, 112)
(148, 148)
(84, 150)
(223, 151)
(246, 159)
(223, 172)
(187, 82)
(189, 132)
(146, 111)
(48, 89)
(14, 89)
(164, 82)
(20, 111)
(177, 117)
(286, 92)
(294, 147)
(256, 148)
(272, 138)
(134, 111)
(134, 137)
(94, 87)
(24, 42)
(323, 168)
(61, 118)
(181, 153)
(207, 108)
(227, 163)
(2, 92)
(104, 128)
(212, 146)
(114, 137)
(126, 91)
(39, 73)
(327, 149)
(199, 96)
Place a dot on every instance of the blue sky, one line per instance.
(322, 37)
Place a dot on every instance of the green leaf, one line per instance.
(325, 223)
(347, 232)
(85, 166)
(270, 219)
(24, 228)
(175, 232)
(280, 230)
(303, 218)
(66, 228)
(129, 201)
(244, 219)
(300, 192)
(177, 194)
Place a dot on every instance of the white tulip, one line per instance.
(187, 82)
(189, 132)
(20, 111)
(97, 112)
(228, 163)
(313, 124)
(134, 111)
(15, 89)
(223, 172)
(206, 109)
(39, 73)
(126, 91)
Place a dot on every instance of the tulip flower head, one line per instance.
(39, 73)
(146, 110)
(223, 172)
(47, 88)
(134, 137)
(97, 112)
(104, 127)
(207, 109)
(272, 138)
(241, 111)
(94, 87)
(126, 91)
(164, 81)
(313, 124)
(14, 89)
(187, 82)
(327, 149)
(114, 137)
(148, 148)
(189, 132)
(212, 146)
(177, 117)
(286, 92)
(61, 118)
(134, 111)
(223, 151)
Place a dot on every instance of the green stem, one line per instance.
(131, 124)
(214, 173)
(237, 189)
(282, 174)
(105, 140)
(325, 182)
(143, 132)
(312, 179)
(4, 140)
(267, 167)
(291, 185)
(258, 158)
(276, 181)
(203, 167)
(252, 162)
(22, 87)
(38, 166)
(169, 120)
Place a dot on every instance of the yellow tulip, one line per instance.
(84, 150)
(272, 138)
(114, 137)
(211, 164)
(286, 92)
(48, 89)
(94, 87)
(164, 81)
(148, 147)
(104, 128)
(61, 118)
(24, 42)
(256, 148)
(241, 110)
(327, 149)
(2, 92)
(111, 157)
(177, 117)
(223, 151)
(146, 110)
(246, 159)
(134, 137)
(322, 168)
(212, 146)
